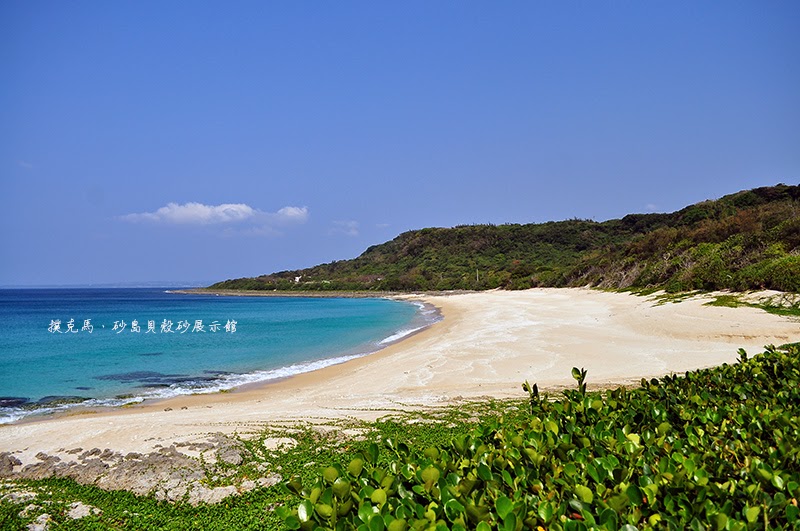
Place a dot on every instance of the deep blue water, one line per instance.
(62, 347)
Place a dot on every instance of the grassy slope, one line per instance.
(747, 240)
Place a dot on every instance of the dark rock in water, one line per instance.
(151, 354)
(56, 400)
(130, 376)
(13, 401)
(189, 379)
(141, 376)
(82, 388)
(157, 379)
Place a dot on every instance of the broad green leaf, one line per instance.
(341, 488)
(376, 523)
(546, 511)
(592, 471)
(751, 513)
(372, 453)
(509, 522)
(584, 493)
(634, 495)
(504, 506)
(792, 512)
(453, 510)
(397, 525)
(365, 511)
(431, 453)
(484, 472)
(355, 467)
(305, 510)
(430, 476)
(378, 497)
(324, 510)
(330, 474)
(764, 474)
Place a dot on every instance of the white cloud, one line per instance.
(225, 214)
(196, 214)
(651, 207)
(292, 214)
(348, 228)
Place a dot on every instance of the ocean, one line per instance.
(67, 348)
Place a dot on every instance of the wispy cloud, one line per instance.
(25, 165)
(348, 228)
(651, 207)
(226, 214)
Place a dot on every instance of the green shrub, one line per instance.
(714, 449)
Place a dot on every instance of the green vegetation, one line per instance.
(747, 240)
(311, 445)
(716, 449)
(783, 304)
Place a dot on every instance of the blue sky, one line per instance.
(198, 141)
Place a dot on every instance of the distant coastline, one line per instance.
(315, 294)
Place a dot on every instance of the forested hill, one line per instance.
(746, 240)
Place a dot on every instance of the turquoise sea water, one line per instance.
(60, 348)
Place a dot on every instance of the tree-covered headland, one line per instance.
(743, 241)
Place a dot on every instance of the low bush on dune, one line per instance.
(713, 449)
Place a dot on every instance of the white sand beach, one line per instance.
(487, 345)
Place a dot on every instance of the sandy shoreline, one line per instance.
(487, 344)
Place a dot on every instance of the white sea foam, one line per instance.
(426, 309)
(399, 335)
(230, 381)
(9, 415)
(224, 383)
